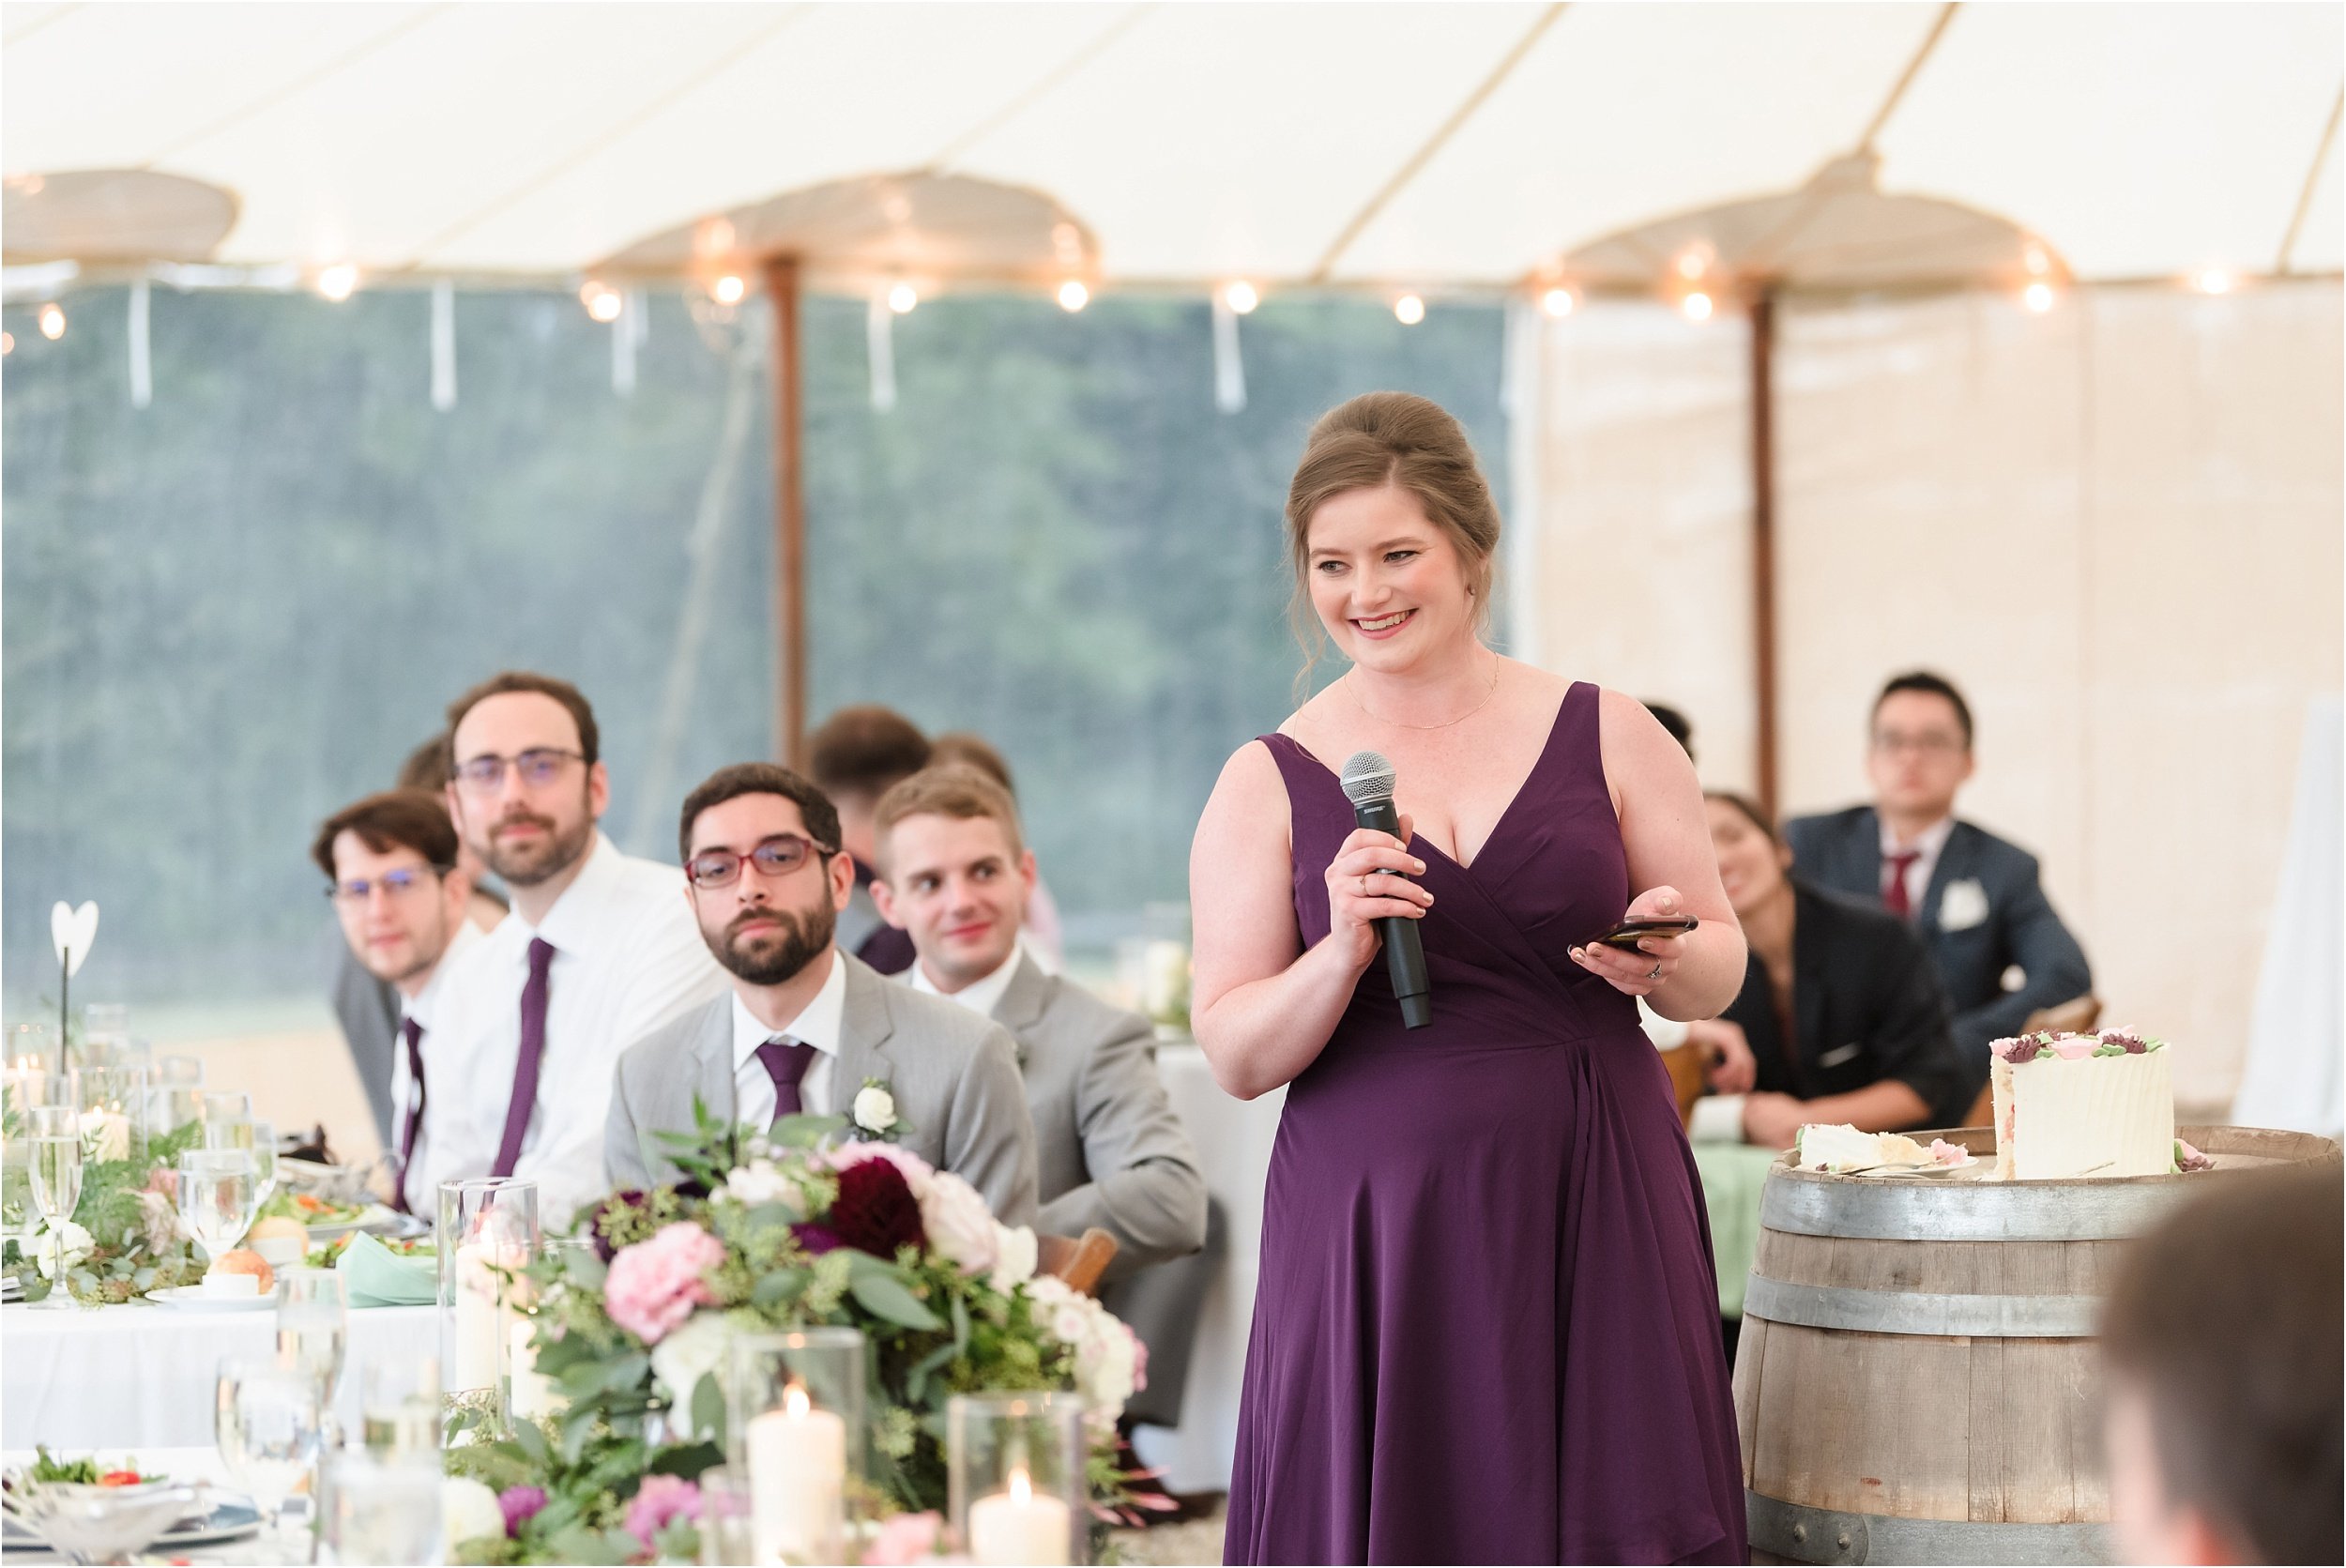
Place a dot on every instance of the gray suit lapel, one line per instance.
(865, 1025)
(712, 1078)
(1024, 1001)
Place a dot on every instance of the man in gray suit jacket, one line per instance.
(957, 876)
(803, 1026)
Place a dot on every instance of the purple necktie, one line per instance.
(414, 1031)
(525, 1067)
(787, 1062)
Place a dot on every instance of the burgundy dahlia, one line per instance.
(626, 1198)
(875, 1212)
(815, 1239)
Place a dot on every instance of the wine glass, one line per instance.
(30, 1088)
(313, 1321)
(380, 1509)
(257, 1138)
(56, 1140)
(217, 1190)
(269, 1420)
(399, 1406)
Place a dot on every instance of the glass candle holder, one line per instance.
(727, 1540)
(113, 1103)
(172, 1084)
(399, 1407)
(487, 1234)
(794, 1438)
(377, 1509)
(1015, 1488)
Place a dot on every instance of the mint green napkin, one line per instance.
(377, 1276)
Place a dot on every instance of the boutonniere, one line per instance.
(1963, 906)
(872, 1114)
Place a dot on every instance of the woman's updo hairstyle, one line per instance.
(1396, 438)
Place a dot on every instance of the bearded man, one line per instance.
(595, 955)
(807, 1029)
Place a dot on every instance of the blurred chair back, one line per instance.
(1079, 1261)
(1686, 1065)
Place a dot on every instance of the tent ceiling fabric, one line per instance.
(1195, 142)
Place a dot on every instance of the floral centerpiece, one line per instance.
(125, 1237)
(787, 1229)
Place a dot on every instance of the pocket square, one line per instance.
(1840, 1054)
(1963, 906)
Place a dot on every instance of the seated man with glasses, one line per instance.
(1974, 896)
(392, 868)
(807, 1027)
(599, 950)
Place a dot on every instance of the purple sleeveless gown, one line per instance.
(1487, 1328)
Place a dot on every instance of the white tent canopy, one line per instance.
(1362, 145)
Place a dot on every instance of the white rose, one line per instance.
(875, 1109)
(468, 1510)
(759, 1181)
(106, 1134)
(685, 1355)
(1015, 1255)
(960, 1225)
(62, 1244)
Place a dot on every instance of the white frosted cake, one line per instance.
(2082, 1104)
(1844, 1150)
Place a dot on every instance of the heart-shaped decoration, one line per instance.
(72, 930)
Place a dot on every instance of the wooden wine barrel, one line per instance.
(1916, 1379)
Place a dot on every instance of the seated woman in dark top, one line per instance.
(1842, 1017)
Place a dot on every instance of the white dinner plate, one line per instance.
(192, 1297)
(375, 1217)
(228, 1521)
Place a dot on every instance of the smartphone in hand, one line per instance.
(1626, 933)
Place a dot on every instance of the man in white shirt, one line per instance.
(394, 875)
(807, 1025)
(598, 952)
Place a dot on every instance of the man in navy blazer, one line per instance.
(1974, 898)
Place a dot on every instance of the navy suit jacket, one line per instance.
(1843, 850)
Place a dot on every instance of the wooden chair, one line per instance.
(1687, 1067)
(1077, 1260)
(2074, 1017)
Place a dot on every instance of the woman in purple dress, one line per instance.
(1487, 1326)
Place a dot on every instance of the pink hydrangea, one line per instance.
(916, 1170)
(904, 1538)
(661, 1499)
(654, 1286)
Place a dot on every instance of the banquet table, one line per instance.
(1233, 1139)
(140, 1376)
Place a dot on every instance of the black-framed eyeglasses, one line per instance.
(399, 884)
(539, 767)
(778, 856)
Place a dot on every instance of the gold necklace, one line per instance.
(1446, 722)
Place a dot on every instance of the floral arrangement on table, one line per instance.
(125, 1237)
(788, 1229)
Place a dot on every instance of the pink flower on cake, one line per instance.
(1945, 1153)
(2017, 1050)
(2075, 1048)
(2188, 1158)
(654, 1286)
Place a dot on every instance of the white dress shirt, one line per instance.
(421, 1006)
(816, 1025)
(627, 958)
(979, 995)
(1928, 845)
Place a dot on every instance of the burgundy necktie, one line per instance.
(786, 1061)
(414, 1031)
(525, 1099)
(1894, 892)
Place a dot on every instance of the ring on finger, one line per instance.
(1657, 972)
(1365, 894)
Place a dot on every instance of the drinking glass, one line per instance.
(256, 1138)
(171, 1094)
(270, 1420)
(30, 1088)
(216, 1196)
(226, 1105)
(56, 1180)
(374, 1509)
(312, 1325)
(399, 1406)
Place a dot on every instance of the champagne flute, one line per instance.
(216, 1196)
(313, 1321)
(257, 1138)
(57, 1162)
(270, 1420)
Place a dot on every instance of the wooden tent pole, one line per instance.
(1763, 539)
(782, 300)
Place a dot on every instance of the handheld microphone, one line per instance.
(1367, 780)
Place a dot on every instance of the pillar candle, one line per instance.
(477, 1316)
(1020, 1525)
(533, 1397)
(797, 1459)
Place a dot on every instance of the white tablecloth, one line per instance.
(140, 1376)
(1233, 1139)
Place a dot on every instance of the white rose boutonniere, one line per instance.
(873, 1114)
(1963, 906)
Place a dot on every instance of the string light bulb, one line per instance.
(1409, 310)
(2213, 279)
(1697, 306)
(727, 290)
(1072, 295)
(1241, 297)
(339, 281)
(8, 342)
(903, 298)
(1557, 303)
(53, 321)
(606, 304)
(2037, 298)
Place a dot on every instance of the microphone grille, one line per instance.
(1366, 776)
